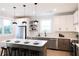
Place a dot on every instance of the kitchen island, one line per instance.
(35, 47)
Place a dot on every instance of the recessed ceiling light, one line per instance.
(3, 9)
(54, 9)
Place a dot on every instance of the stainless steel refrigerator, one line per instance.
(21, 32)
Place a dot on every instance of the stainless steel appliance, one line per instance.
(21, 32)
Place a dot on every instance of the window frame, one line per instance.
(49, 26)
(2, 25)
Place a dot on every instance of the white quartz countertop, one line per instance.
(77, 44)
(31, 42)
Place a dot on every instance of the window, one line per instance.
(5, 26)
(45, 25)
(0, 26)
(0, 30)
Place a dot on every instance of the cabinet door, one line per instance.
(64, 44)
(69, 23)
(76, 18)
(63, 23)
(51, 43)
(77, 50)
(59, 23)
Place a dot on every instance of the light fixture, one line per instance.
(35, 21)
(14, 15)
(24, 9)
(24, 22)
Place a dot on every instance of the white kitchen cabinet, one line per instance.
(78, 22)
(75, 22)
(77, 27)
(78, 16)
(59, 22)
(63, 23)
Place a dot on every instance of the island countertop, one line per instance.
(34, 46)
(77, 44)
(31, 42)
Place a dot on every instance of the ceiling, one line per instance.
(6, 9)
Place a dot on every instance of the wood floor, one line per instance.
(55, 53)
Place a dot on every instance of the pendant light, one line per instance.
(14, 15)
(24, 22)
(35, 21)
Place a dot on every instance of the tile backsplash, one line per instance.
(55, 34)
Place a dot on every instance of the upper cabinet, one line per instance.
(63, 23)
(76, 21)
(75, 18)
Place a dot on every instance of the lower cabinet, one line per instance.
(77, 50)
(64, 44)
(51, 43)
(61, 44)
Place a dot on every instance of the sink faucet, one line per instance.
(45, 34)
(39, 34)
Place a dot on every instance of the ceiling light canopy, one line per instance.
(35, 3)
(24, 5)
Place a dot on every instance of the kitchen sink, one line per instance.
(26, 42)
(17, 41)
(8, 41)
(36, 43)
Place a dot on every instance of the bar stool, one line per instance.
(5, 51)
(34, 53)
(24, 52)
(15, 51)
